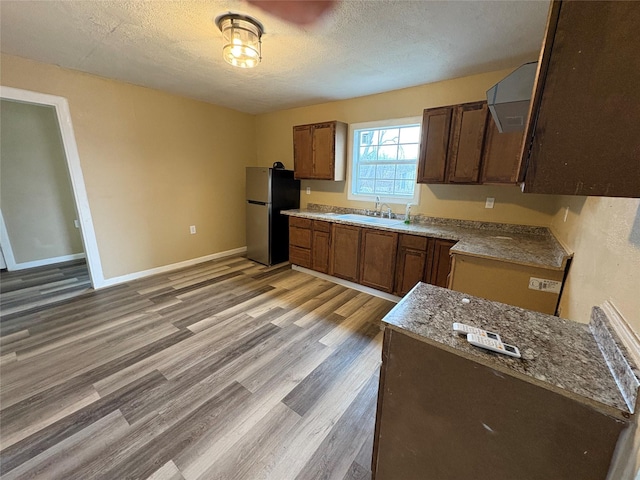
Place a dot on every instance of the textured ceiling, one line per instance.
(362, 47)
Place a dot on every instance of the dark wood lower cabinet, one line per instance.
(345, 252)
(414, 255)
(386, 261)
(438, 273)
(321, 246)
(378, 259)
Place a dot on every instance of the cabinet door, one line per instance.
(583, 130)
(501, 155)
(378, 259)
(434, 145)
(324, 150)
(345, 252)
(467, 138)
(410, 269)
(303, 151)
(320, 246)
(438, 273)
(413, 252)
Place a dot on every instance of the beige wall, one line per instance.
(35, 192)
(604, 233)
(153, 164)
(275, 143)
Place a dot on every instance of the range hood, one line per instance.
(509, 98)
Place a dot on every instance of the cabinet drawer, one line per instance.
(299, 222)
(413, 241)
(300, 237)
(300, 256)
(320, 226)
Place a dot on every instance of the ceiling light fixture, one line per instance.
(242, 40)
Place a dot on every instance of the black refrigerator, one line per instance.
(269, 191)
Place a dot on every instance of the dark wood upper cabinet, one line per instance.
(378, 259)
(345, 252)
(319, 151)
(467, 138)
(434, 146)
(583, 133)
(501, 155)
(451, 144)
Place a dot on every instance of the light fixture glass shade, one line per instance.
(241, 37)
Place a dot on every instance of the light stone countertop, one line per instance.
(557, 354)
(520, 244)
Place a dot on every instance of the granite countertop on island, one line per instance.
(520, 244)
(557, 354)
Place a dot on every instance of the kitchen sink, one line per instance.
(366, 219)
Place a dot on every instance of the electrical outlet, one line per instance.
(192, 229)
(76, 223)
(308, 190)
(489, 203)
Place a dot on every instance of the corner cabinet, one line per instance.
(319, 151)
(501, 155)
(582, 136)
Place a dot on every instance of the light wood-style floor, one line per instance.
(226, 370)
(42, 286)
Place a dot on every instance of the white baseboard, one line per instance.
(46, 261)
(347, 283)
(109, 282)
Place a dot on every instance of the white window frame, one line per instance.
(394, 122)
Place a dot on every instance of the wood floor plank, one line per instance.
(318, 382)
(143, 462)
(168, 471)
(337, 452)
(62, 457)
(227, 369)
(252, 453)
(48, 437)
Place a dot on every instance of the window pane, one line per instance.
(410, 134)
(406, 172)
(365, 186)
(404, 187)
(368, 137)
(384, 187)
(388, 152)
(389, 136)
(368, 153)
(366, 171)
(386, 172)
(408, 152)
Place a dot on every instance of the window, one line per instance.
(383, 160)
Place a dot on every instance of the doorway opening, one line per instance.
(83, 220)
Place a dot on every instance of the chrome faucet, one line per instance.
(378, 210)
(388, 210)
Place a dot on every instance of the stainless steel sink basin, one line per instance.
(372, 220)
